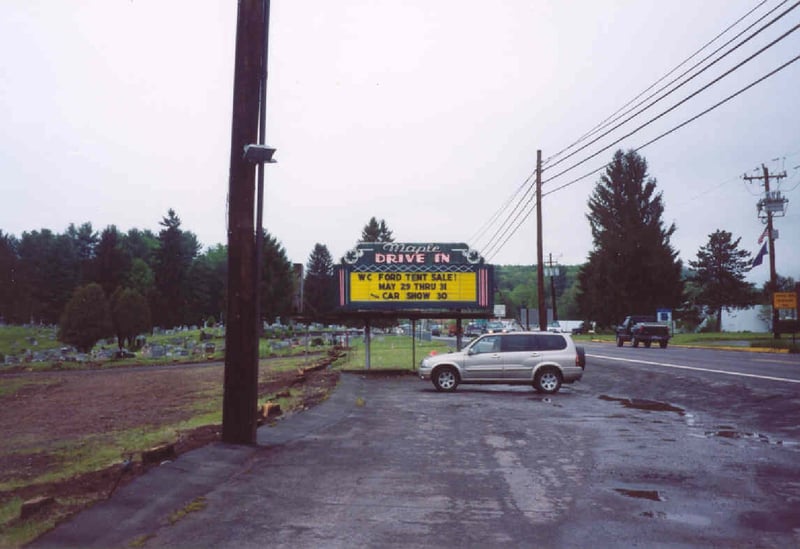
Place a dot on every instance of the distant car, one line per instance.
(473, 330)
(436, 330)
(542, 359)
(494, 327)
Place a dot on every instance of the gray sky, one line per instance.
(426, 113)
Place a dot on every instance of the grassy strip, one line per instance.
(390, 352)
(714, 339)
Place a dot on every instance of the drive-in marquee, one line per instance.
(395, 276)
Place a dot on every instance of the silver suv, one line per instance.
(542, 359)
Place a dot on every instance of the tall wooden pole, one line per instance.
(240, 394)
(539, 246)
(773, 277)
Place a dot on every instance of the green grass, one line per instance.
(390, 352)
(713, 339)
(15, 339)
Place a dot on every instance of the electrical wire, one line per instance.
(611, 118)
(685, 99)
(500, 247)
(497, 241)
(485, 227)
(498, 235)
(682, 124)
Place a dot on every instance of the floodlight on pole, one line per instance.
(258, 154)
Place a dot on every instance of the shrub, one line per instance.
(86, 318)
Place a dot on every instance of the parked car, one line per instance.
(494, 327)
(473, 330)
(542, 359)
(436, 330)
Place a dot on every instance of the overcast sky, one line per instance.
(425, 113)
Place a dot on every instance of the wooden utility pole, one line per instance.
(240, 394)
(553, 287)
(539, 248)
(770, 205)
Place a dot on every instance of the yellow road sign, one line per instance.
(784, 300)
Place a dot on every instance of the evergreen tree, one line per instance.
(111, 262)
(719, 275)
(376, 231)
(11, 298)
(86, 318)
(319, 288)
(173, 259)
(49, 269)
(130, 315)
(207, 278)
(277, 280)
(84, 242)
(633, 268)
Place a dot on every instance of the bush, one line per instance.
(86, 318)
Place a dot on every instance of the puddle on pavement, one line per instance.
(724, 431)
(651, 495)
(647, 405)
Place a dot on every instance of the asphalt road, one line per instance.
(654, 448)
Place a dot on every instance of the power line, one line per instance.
(485, 227)
(500, 247)
(692, 119)
(498, 235)
(605, 122)
(687, 98)
(509, 226)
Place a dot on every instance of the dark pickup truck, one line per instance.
(642, 329)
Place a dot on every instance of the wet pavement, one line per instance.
(628, 457)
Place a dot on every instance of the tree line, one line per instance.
(139, 279)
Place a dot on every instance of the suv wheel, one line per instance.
(547, 381)
(445, 379)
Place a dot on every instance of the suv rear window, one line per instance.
(512, 343)
(550, 342)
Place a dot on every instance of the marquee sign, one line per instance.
(396, 276)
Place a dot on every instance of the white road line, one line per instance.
(681, 367)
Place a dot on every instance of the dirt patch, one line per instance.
(62, 406)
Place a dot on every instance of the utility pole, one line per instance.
(539, 250)
(772, 204)
(240, 393)
(262, 132)
(553, 271)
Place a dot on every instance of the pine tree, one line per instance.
(319, 285)
(173, 259)
(277, 280)
(719, 275)
(376, 231)
(633, 268)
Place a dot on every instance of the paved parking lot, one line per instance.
(391, 462)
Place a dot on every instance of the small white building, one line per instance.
(755, 319)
